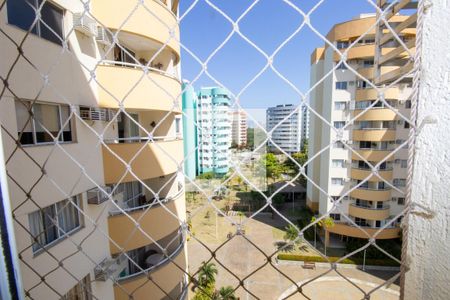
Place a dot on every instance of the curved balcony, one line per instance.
(368, 73)
(349, 230)
(372, 94)
(373, 134)
(361, 174)
(375, 114)
(119, 81)
(167, 274)
(371, 194)
(351, 29)
(153, 23)
(368, 213)
(154, 159)
(372, 154)
(123, 231)
(360, 52)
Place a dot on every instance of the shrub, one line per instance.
(349, 261)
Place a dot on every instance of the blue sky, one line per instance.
(268, 24)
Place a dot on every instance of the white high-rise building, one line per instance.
(286, 135)
(214, 132)
(239, 128)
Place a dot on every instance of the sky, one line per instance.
(267, 25)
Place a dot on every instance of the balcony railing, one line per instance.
(130, 205)
(159, 260)
(370, 207)
(142, 139)
(142, 67)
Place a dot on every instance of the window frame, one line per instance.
(71, 123)
(38, 248)
(37, 31)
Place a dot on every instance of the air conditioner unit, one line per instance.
(96, 196)
(94, 113)
(103, 36)
(84, 24)
(108, 267)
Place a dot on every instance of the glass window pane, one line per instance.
(52, 16)
(24, 123)
(37, 229)
(50, 227)
(21, 13)
(46, 116)
(67, 130)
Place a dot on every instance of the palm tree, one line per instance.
(207, 274)
(291, 233)
(227, 293)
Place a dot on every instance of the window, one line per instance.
(401, 201)
(361, 222)
(341, 85)
(408, 104)
(338, 145)
(406, 124)
(337, 163)
(367, 63)
(361, 84)
(341, 45)
(47, 118)
(365, 145)
(21, 13)
(399, 182)
(403, 163)
(53, 222)
(81, 291)
(339, 124)
(340, 105)
(378, 224)
(341, 66)
(336, 217)
(337, 181)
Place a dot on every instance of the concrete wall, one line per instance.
(428, 237)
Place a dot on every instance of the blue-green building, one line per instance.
(212, 134)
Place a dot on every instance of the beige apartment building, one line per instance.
(87, 226)
(239, 128)
(373, 134)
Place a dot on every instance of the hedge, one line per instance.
(350, 261)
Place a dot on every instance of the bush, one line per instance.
(393, 247)
(348, 261)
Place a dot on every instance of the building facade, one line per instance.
(372, 135)
(305, 125)
(239, 128)
(189, 99)
(213, 131)
(76, 228)
(288, 134)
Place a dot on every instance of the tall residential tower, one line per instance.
(373, 134)
(213, 131)
(99, 231)
(288, 134)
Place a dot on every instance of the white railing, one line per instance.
(142, 67)
(141, 139)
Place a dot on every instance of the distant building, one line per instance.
(239, 128)
(189, 99)
(305, 125)
(287, 135)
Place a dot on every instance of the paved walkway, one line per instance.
(242, 259)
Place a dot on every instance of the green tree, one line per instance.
(272, 166)
(227, 293)
(207, 274)
(278, 201)
(327, 222)
(291, 233)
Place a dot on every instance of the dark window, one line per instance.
(341, 85)
(408, 104)
(21, 13)
(45, 125)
